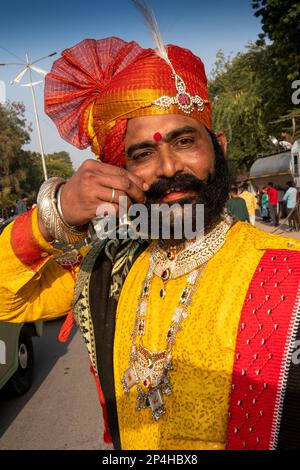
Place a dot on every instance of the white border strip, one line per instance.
(284, 372)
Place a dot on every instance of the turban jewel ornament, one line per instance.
(97, 85)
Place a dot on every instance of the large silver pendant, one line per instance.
(154, 398)
(156, 403)
(149, 374)
(129, 379)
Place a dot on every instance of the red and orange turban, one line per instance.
(97, 85)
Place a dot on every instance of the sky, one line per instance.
(41, 27)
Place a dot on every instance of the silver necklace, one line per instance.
(148, 370)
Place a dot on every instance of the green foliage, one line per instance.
(14, 133)
(252, 91)
(59, 164)
(249, 96)
(20, 170)
(294, 116)
(281, 24)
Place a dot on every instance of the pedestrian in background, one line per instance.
(290, 197)
(236, 206)
(21, 207)
(250, 201)
(264, 205)
(273, 204)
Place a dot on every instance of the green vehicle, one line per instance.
(16, 356)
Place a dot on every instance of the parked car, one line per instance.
(17, 356)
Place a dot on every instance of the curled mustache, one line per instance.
(179, 182)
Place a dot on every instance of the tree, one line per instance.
(249, 96)
(20, 170)
(14, 133)
(252, 91)
(59, 164)
(281, 24)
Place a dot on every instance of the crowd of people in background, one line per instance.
(20, 207)
(10, 213)
(246, 205)
(243, 205)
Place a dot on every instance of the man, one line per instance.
(236, 206)
(190, 342)
(21, 207)
(264, 205)
(290, 197)
(250, 201)
(273, 204)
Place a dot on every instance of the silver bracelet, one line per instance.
(59, 209)
(51, 218)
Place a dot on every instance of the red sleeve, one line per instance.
(24, 244)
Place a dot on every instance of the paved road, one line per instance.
(281, 230)
(61, 410)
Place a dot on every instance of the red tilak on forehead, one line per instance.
(157, 136)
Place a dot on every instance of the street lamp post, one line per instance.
(29, 67)
(37, 121)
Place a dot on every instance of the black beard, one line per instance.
(212, 192)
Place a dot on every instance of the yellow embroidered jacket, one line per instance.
(246, 305)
